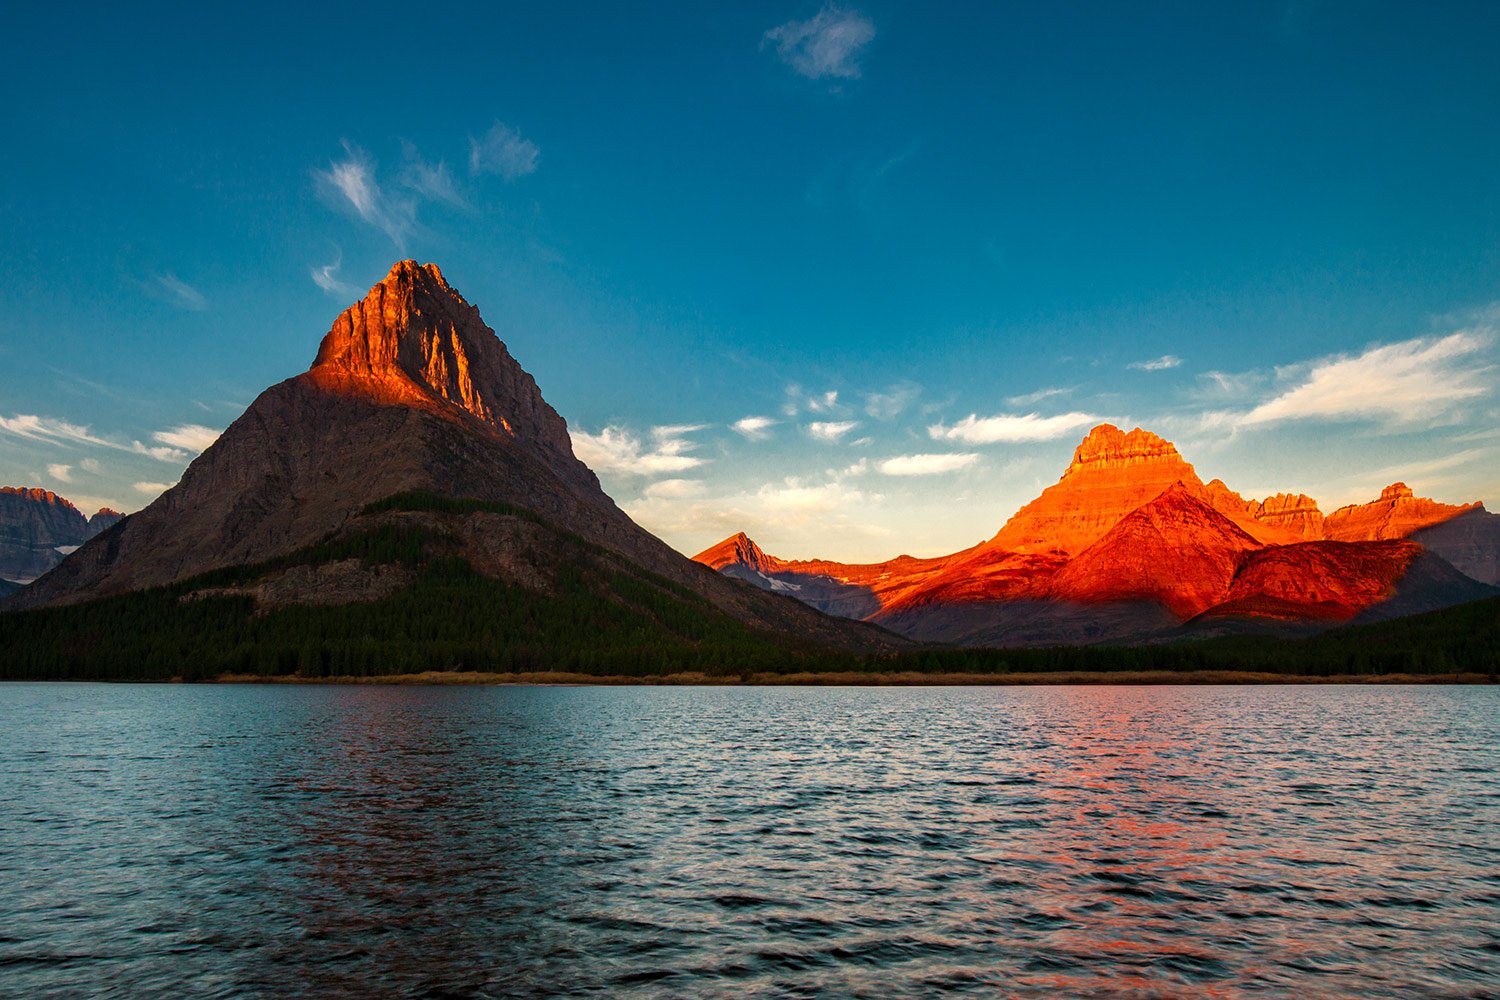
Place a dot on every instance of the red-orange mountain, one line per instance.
(1130, 541)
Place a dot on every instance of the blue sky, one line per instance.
(919, 248)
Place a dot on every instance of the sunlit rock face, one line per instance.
(414, 340)
(738, 550)
(1396, 514)
(1176, 550)
(38, 527)
(1112, 473)
(1130, 544)
(1296, 513)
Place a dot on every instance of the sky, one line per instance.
(852, 278)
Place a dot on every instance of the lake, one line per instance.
(634, 841)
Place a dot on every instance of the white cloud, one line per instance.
(890, 404)
(62, 473)
(831, 430)
(503, 151)
(792, 496)
(89, 465)
(431, 181)
(675, 489)
(754, 428)
(352, 182)
(152, 489)
(189, 437)
(160, 453)
(51, 430)
(828, 44)
(1032, 398)
(616, 449)
(1416, 381)
(1160, 364)
(170, 446)
(180, 293)
(1012, 428)
(327, 277)
(926, 465)
(798, 400)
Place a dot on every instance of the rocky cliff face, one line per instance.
(38, 528)
(1176, 550)
(738, 551)
(1112, 473)
(1396, 514)
(1297, 513)
(410, 391)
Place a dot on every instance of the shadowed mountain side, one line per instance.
(1397, 514)
(1031, 622)
(1470, 541)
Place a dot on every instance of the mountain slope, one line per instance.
(410, 392)
(1176, 551)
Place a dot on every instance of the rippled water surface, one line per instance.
(231, 841)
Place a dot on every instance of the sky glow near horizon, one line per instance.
(854, 279)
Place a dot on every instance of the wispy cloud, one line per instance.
(179, 292)
(62, 473)
(1420, 381)
(1032, 398)
(90, 465)
(52, 430)
(1160, 364)
(926, 465)
(616, 449)
(189, 437)
(172, 445)
(503, 151)
(675, 489)
(152, 489)
(829, 44)
(351, 183)
(1012, 428)
(754, 428)
(327, 277)
(431, 180)
(162, 453)
(794, 496)
(893, 402)
(831, 430)
(798, 400)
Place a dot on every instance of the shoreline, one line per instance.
(855, 679)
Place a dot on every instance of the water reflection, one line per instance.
(721, 842)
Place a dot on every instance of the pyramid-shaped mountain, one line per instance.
(411, 395)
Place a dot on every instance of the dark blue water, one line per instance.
(244, 841)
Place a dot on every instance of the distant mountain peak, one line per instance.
(737, 550)
(36, 494)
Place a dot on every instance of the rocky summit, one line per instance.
(1131, 545)
(38, 529)
(410, 394)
